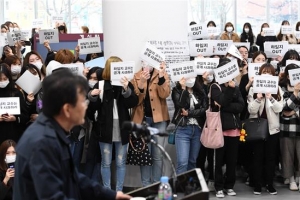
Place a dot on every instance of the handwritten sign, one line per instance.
(221, 46)
(13, 37)
(152, 55)
(97, 62)
(10, 105)
(274, 49)
(206, 65)
(269, 32)
(180, 70)
(29, 83)
(76, 68)
(265, 84)
(57, 19)
(285, 30)
(26, 34)
(297, 34)
(253, 69)
(120, 70)
(50, 34)
(197, 31)
(227, 72)
(201, 47)
(37, 23)
(235, 52)
(294, 75)
(89, 45)
(212, 31)
(245, 44)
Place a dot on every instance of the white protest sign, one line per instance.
(201, 47)
(253, 69)
(212, 31)
(269, 32)
(206, 65)
(245, 44)
(152, 55)
(29, 83)
(119, 70)
(295, 47)
(282, 69)
(265, 84)
(26, 34)
(76, 68)
(13, 37)
(235, 52)
(97, 62)
(227, 72)
(49, 34)
(89, 45)
(197, 31)
(294, 75)
(57, 19)
(10, 105)
(296, 62)
(274, 49)
(221, 46)
(285, 30)
(184, 69)
(297, 34)
(37, 23)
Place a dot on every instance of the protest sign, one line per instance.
(76, 68)
(89, 45)
(97, 62)
(221, 46)
(57, 19)
(212, 31)
(294, 75)
(269, 32)
(265, 84)
(197, 31)
(274, 49)
(25, 34)
(120, 70)
(227, 72)
(286, 30)
(13, 37)
(184, 69)
(50, 34)
(37, 23)
(239, 44)
(297, 34)
(152, 55)
(29, 83)
(235, 52)
(10, 105)
(206, 65)
(201, 47)
(296, 62)
(253, 69)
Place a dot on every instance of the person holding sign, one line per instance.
(267, 106)
(35, 58)
(289, 55)
(212, 24)
(262, 38)
(290, 129)
(228, 100)
(286, 37)
(229, 34)
(247, 34)
(190, 103)
(61, 27)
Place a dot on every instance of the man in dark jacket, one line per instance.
(44, 166)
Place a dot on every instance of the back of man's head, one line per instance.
(61, 88)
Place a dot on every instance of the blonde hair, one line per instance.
(106, 71)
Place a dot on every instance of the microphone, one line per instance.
(142, 129)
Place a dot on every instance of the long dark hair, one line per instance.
(247, 36)
(3, 149)
(284, 81)
(290, 55)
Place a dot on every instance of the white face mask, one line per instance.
(247, 30)
(190, 82)
(38, 64)
(16, 29)
(92, 83)
(10, 159)
(274, 63)
(210, 78)
(3, 84)
(229, 29)
(15, 69)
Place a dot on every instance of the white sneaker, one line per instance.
(220, 194)
(211, 186)
(293, 186)
(230, 192)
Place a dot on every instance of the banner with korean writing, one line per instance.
(269, 32)
(89, 45)
(253, 69)
(13, 37)
(274, 49)
(180, 70)
(286, 30)
(119, 70)
(152, 55)
(212, 31)
(197, 31)
(50, 34)
(265, 84)
(294, 75)
(227, 72)
(76, 68)
(221, 46)
(201, 47)
(37, 23)
(206, 65)
(10, 105)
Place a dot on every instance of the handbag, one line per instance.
(256, 128)
(171, 137)
(212, 133)
(138, 152)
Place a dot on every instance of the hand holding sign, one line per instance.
(124, 82)
(9, 118)
(30, 97)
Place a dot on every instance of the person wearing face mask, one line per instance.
(268, 106)
(229, 33)
(262, 38)
(291, 38)
(62, 28)
(3, 28)
(7, 171)
(190, 103)
(15, 66)
(35, 58)
(247, 34)
(229, 101)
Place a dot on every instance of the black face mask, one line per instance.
(61, 28)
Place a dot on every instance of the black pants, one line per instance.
(264, 159)
(226, 155)
(205, 153)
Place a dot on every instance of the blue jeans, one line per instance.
(121, 153)
(154, 171)
(187, 143)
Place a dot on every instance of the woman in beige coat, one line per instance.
(228, 33)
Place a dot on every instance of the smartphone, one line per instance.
(11, 165)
